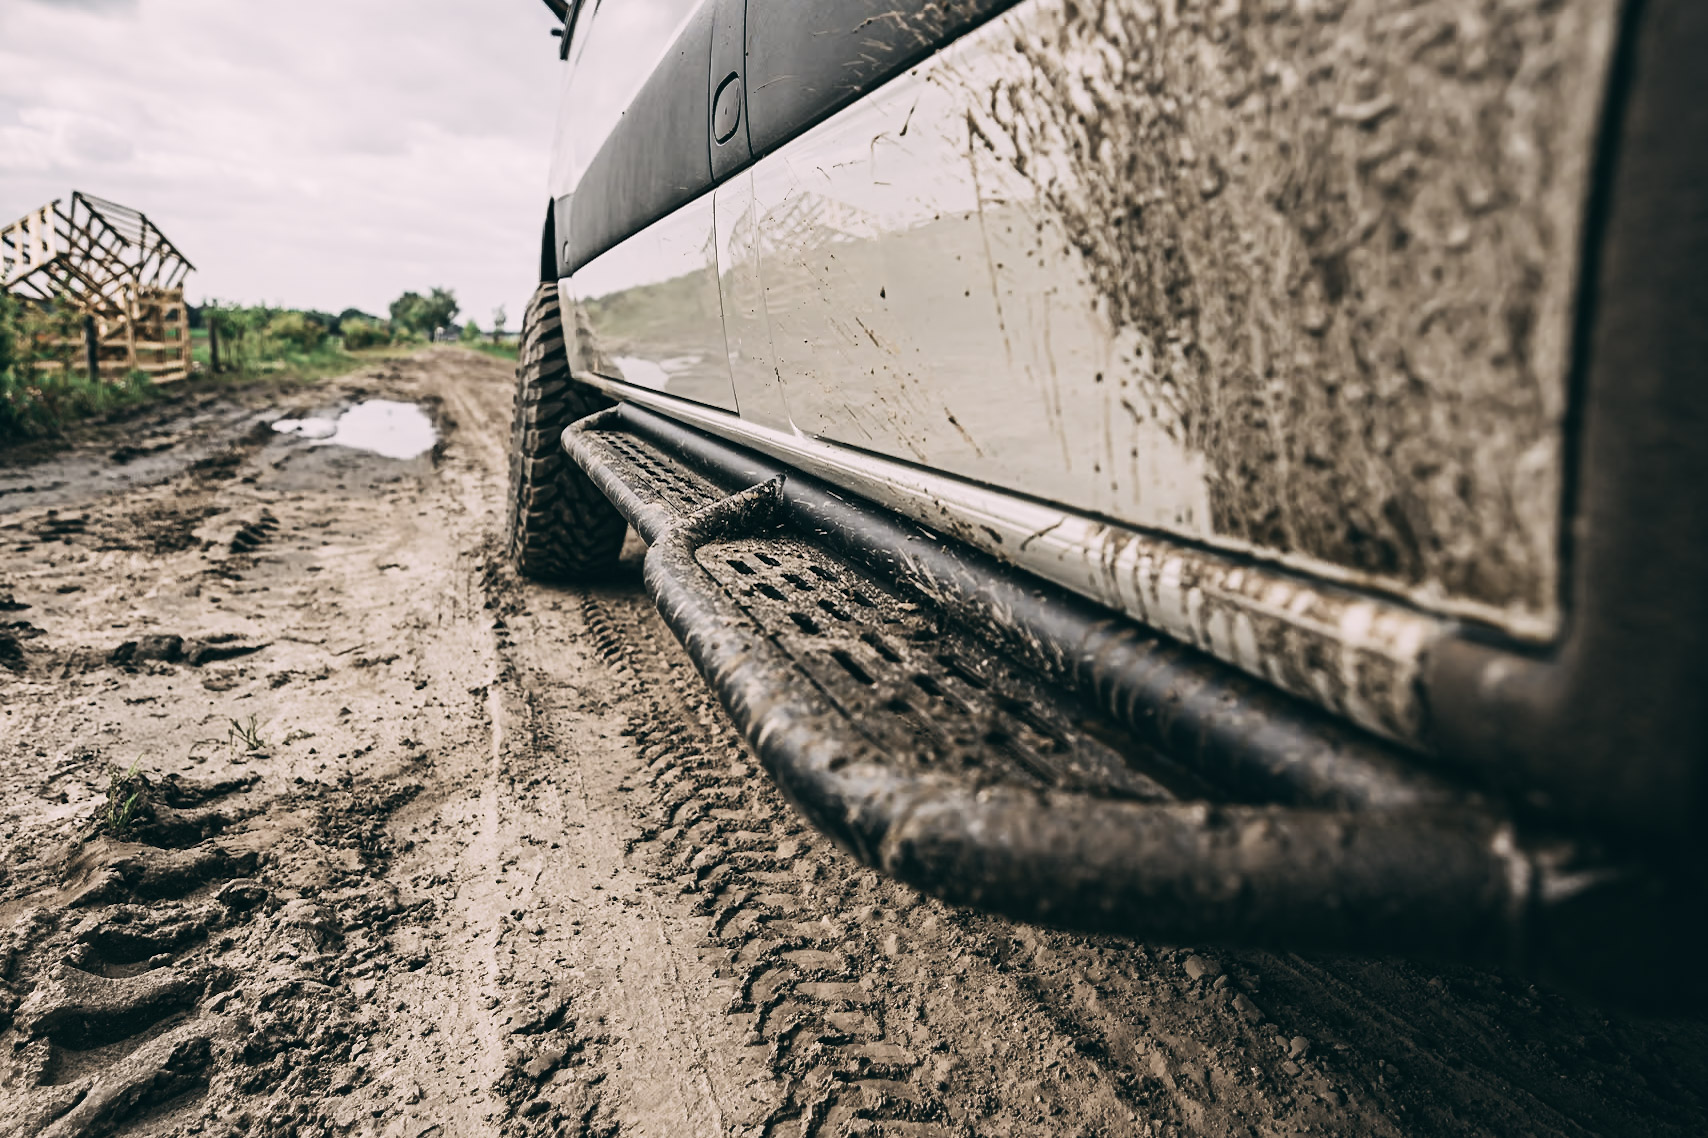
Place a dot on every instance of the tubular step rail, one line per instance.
(995, 742)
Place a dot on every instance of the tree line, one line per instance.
(244, 335)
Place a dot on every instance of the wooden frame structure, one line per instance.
(112, 264)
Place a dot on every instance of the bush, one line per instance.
(470, 333)
(425, 315)
(33, 404)
(295, 331)
(10, 339)
(42, 385)
(360, 333)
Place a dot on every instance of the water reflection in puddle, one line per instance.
(381, 426)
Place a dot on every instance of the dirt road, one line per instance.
(412, 847)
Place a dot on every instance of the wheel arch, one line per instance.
(548, 246)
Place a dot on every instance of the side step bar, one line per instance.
(995, 742)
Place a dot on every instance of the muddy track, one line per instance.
(417, 848)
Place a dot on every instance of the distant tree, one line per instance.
(413, 312)
(441, 309)
(499, 319)
(409, 313)
(356, 314)
(9, 336)
(471, 332)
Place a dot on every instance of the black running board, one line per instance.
(996, 744)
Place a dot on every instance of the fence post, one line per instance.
(213, 346)
(91, 350)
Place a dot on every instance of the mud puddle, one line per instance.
(417, 848)
(384, 427)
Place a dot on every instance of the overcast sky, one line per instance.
(320, 153)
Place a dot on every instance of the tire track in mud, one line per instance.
(884, 1012)
(210, 969)
(873, 1002)
(175, 964)
(717, 834)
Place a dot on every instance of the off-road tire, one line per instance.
(561, 528)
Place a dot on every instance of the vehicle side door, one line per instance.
(631, 173)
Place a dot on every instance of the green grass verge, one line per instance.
(497, 351)
(34, 405)
(41, 404)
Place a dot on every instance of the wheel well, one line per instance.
(548, 247)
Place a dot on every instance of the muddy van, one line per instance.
(1212, 472)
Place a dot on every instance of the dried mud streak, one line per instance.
(1345, 236)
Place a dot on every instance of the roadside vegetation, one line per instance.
(39, 391)
(44, 386)
(496, 342)
(124, 794)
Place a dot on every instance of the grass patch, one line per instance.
(245, 736)
(124, 793)
(34, 404)
(502, 351)
(43, 388)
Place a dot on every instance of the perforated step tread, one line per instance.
(926, 695)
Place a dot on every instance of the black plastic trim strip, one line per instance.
(658, 157)
(808, 60)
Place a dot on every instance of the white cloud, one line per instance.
(324, 153)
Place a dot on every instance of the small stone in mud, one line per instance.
(1197, 967)
(165, 648)
(1298, 1047)
(240, 894)
(215, 648)
(544, 1064)
(1291, 1067)
(1244, 1006)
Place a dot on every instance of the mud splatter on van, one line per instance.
(1348, 233)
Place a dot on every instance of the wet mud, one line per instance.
(317, 821)
(1345, 235)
